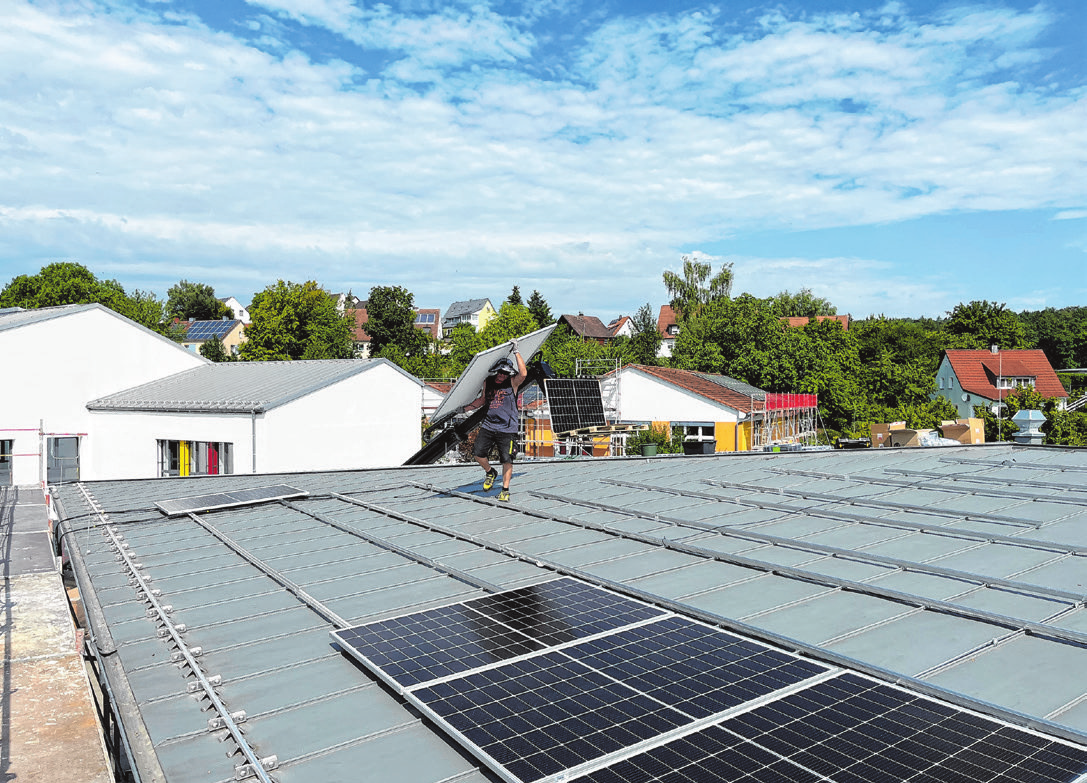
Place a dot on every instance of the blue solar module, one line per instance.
(853, 730)
(546, 714)
(437, 643)
(429, 645)
(699, 670)
(205, 330)
(563, 610)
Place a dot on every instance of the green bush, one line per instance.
(668, 442)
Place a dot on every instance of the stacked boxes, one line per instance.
(964, 430)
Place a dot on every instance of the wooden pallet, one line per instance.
(602, 429)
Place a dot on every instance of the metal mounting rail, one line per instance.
(254, 766)
(848, 500)
(1026, 588)
(920, 527)
(277, 576)
(994, 463)
(993, 480)
(784, 642)
(890, 482)
(909, 599)
(456, 573)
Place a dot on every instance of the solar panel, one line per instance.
(205, 330)
(429, 645)
(575, 404)
(240, 497)
(698, 670)
(853, 730)
(546, 714)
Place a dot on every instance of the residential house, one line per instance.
(426, 320)
(54, 360)
(259, 417)
(196, 333)
(587, 327)
(711, 409)
(429, 320)
(668, 327)
(979, 377)
(240, 312)
(477, 312)
(623, 326)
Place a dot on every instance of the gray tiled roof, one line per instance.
(457, 309)
(235, 387)
(956, 571)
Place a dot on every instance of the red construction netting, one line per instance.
(788, 400)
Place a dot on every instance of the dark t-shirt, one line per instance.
(501, 401)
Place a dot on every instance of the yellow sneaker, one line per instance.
(488, 480)
(504, 495)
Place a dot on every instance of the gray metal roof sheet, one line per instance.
(237, 387)
(985, 609)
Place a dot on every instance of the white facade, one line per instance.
(642, 398)
(371, 419)
(53, 366)
(240, 313)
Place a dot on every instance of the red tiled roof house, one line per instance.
(978, 377)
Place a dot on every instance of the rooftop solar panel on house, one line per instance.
(216, 500)
(575, 404)
(205, 330)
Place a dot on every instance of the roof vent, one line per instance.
(994, 349)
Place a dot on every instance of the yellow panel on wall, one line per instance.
(724, 432)
(183, 459)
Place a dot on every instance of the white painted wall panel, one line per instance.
(643, 398)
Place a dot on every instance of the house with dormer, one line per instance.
(477, 312)
(668, 326)
(978, 377)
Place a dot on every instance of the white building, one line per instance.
(54, 360)
(262, 417)
(92, 395)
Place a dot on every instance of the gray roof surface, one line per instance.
(468, 307)
(236, 387)
(955, 570)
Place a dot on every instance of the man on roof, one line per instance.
(500, 426)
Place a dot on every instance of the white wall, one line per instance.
(53, 368)
(368, 420)
(643, 398)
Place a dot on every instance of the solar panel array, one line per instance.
(575, 404)
(567, 681)
(205, 330)
(239, 497)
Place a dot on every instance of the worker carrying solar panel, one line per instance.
(501, 422)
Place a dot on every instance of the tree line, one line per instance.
(879, 369)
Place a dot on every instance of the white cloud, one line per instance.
(127, 135)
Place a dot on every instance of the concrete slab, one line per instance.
(50, 726)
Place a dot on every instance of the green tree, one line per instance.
(66, 282)
(563, 350)
(215, 351)
(515, 297)
(981, 324)
(196, 301)
(802, 304)
(464, 343)
(540, 310)
(512, 321)
(390, 312)
(1055, 332)
(695, 288)
(296, 321)
(646, 341)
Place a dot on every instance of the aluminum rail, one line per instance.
(992, 480)
(255, 766)
(784, 642)
(993, 463)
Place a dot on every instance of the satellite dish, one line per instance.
(965, 397)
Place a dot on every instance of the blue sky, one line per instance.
(893, 157)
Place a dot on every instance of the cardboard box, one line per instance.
(881, 433)
(906, 437)
(968, 431)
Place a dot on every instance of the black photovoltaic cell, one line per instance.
(546, 714)
(436, 643)
(562, 610)
(575, 403)
(239, 497)
(696, 669)
(853, 730)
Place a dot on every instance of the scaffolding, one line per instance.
(788, 419)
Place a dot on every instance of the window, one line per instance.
(699, 432)
(941, 383)
(7, 447)
(424, 318)
(195, 458)
(1010, 382)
